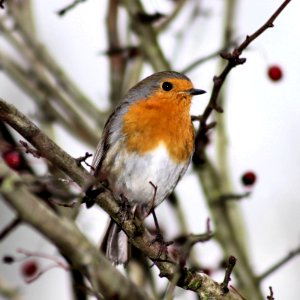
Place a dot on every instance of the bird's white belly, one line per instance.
(130, 174)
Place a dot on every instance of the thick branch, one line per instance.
(69, 240)
(135, 230)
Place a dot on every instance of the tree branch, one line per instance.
(11, 226)
(279, 264)
(148, 37)
(69, 7)
(233, 60)
(117, 60)
(69, 240)
(138, 235)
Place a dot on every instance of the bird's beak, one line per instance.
(194, 92)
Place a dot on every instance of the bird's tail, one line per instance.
(115, 244)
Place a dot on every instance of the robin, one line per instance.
(146, 146)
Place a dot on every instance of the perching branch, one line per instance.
(138, 235)
(158, 61)
(68, 239)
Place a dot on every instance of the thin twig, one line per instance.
(52, 258)
(82, 159)
(236, 291)
(229, 269)
(279, 264)
(234, 197)
(204, 59)
(271, 296)
(184, 244)
(233, 60)
(66, 9)
(11, 226)
(46, 78)
(24, 79)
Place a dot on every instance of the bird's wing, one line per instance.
(112, 133)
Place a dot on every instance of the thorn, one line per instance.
(82, 159)
(211, 125)
(218, 108)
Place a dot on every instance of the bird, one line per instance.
(145, 148)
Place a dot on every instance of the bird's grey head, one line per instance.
(147, 86)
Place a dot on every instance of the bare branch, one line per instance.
(204, 59)
(271, 296)
(233, 60)
(138, 235)
(11, 226)
(66, 236)
(148, 37)
(279, 264)
(117, 59)
(82, 159)
(229, 269)
(66, 9)
(234, 197)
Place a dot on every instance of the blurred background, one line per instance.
(261, 120)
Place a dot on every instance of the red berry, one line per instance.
(248, 178)
(29, 268)
(13, 159)
(275, 73)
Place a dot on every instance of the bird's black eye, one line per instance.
(167, 86)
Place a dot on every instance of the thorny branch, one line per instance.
(233, 60)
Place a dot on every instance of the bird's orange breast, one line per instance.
(156, 120)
